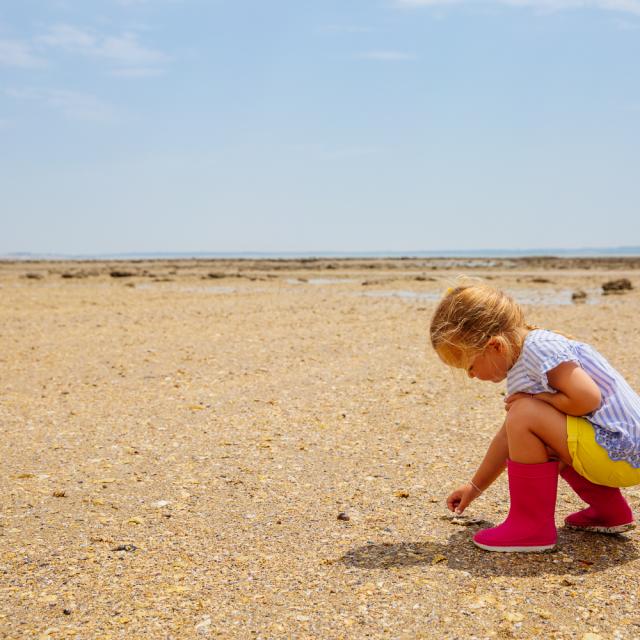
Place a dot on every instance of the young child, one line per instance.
(568, 411)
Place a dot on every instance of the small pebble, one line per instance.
(513, 616)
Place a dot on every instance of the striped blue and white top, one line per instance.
(616, 422)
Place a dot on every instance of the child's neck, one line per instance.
(521, 337)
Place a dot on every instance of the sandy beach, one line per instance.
(262, 449)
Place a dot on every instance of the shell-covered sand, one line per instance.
(263, 450)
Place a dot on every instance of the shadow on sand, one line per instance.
(575, 554)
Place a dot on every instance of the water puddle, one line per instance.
(521, 296)
(407, 295)
(556, 297)
(219, 289)
(474, 263)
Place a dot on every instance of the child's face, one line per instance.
(492, 364)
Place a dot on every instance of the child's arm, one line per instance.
(578, 394)
(490, 468)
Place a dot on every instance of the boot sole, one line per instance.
(531, 549)
(621, 528)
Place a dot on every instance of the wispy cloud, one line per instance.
(623, 6)
(75, 105)
(627, 25)
(20, 54)
(124, 50)
(389, 56)
(68, 37)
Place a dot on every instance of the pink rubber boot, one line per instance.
(608, 511)
(530, 525)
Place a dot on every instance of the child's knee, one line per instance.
(522, 411)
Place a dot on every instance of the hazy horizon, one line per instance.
(628, 251)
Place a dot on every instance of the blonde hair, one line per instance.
(469, 316)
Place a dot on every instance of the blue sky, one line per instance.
(325, 125)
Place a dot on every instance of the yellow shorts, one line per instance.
(592, 461)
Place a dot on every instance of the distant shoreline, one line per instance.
(216, 267)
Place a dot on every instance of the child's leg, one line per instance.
(608, 511)
(533, 427)
(530, 525)
(596, 478)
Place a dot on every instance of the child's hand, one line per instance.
(461, 498)
(509, 400)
